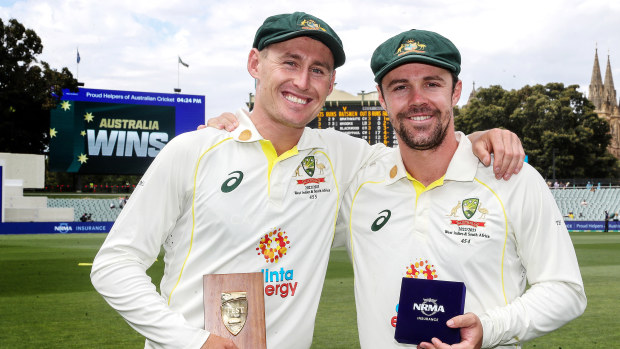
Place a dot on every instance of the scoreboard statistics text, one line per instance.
(370, 123)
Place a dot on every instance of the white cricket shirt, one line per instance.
(224, 202)
(493, 235)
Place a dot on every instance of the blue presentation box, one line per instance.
(424, 308)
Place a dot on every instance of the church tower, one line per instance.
(473, 92)
(610, 102)
(595, 93)
(603, 96)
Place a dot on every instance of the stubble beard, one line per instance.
(416, 142)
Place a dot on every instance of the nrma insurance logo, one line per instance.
(63, 228)
(428, 307)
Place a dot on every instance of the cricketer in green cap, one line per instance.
(417, 79)
(420, 46)
(287, 26)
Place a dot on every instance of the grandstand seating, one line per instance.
(598, 201)
(99, 208)
(568, 200)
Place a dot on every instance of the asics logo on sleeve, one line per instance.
(384, 217)
(232, 182)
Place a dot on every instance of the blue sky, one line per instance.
(133, 45)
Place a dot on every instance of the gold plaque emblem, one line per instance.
(234, 311)
(245, 135)
(393, 171)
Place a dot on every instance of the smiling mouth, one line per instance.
(419, 118)
(296, 100)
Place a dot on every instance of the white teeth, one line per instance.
(419, 118)
(295, 99)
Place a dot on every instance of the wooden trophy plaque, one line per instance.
(235, 308)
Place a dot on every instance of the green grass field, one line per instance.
(46, 299)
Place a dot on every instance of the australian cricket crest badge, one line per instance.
(308, 164)
(469, 207)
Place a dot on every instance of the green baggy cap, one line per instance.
(420, 46)
(291, 25)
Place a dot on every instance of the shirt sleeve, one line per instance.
(133, 244)
(556, 295)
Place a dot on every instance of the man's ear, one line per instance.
(253, 61)
(456, 95)
(381, 99)
(331, 83)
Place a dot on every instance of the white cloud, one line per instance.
(134, 45)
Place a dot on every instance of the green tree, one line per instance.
(29, 89)
(552, 121)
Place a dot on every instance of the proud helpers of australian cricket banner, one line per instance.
(263, 197)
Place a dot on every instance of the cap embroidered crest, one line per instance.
(411, 46)
(415, 46)
(288, 26)
(311, 25)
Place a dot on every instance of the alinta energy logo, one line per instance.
(421, 269)
(273, 245)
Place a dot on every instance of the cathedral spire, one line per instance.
(595, 93)
(473, 93)
(609, 91)
(606, 105)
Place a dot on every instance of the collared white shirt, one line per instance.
(224, 202)
(493, 235)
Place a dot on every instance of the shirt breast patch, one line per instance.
(313, 177)
(467, 220)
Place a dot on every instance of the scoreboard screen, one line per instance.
(369, 123)
(117, 132)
